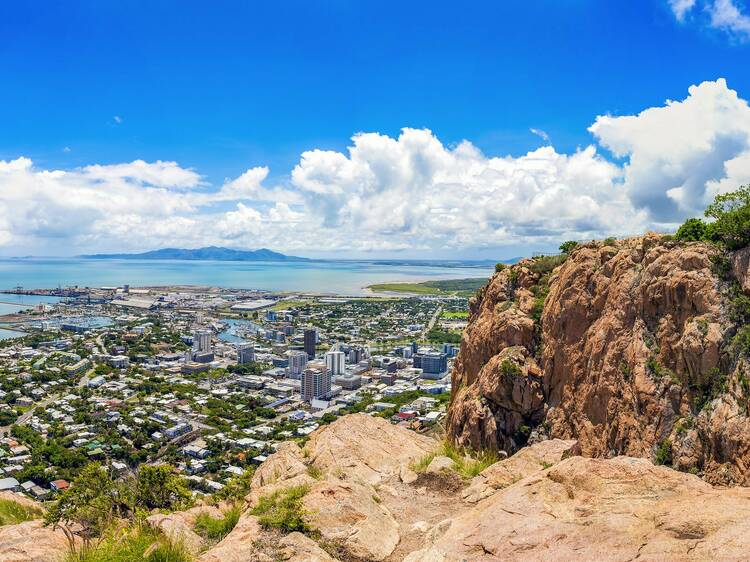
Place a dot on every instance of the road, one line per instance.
(435, 316)
(27, 415)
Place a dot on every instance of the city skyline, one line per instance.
(332, 131)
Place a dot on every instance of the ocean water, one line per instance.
(332, 277)
(10, 334)
(10, 303)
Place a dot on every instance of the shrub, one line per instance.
(664, 453)
(92, 502)
(739, 307)
(609, 241)
(137, 543)
(716, 384)
(216, 528)
(567, 247)
(283, 510)
(237, 487)
(314, 472)
(509, 369)
(741, 341)
(692, 230)
(500, 267)
(625, 370)
(545, 264)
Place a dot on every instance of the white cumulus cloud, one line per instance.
(411, 192)
(728, 16)
(676, 153)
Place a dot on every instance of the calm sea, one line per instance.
(335, 277)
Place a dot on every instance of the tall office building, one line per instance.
(297, 363)
(434, 365)
(245, 353)
(311, 338)
(335, 361)
(316, 383)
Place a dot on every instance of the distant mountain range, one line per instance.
(208, 253)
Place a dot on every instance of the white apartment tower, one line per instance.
(297, 363)
(335, 361)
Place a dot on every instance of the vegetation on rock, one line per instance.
(216, 528)
(12, 512)
(283, 510)
(467, 464)
(138, 542)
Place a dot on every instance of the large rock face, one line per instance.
(628, 347)
(342, 465)
(32, 542)
(595, 509)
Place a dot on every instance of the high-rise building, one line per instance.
(202, 341)
(434, 365)
(245, 353)
(335, 361)
(316, 383)
(201, 351)
(356, 354)
(311, 338)
(297, 363)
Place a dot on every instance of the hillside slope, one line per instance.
(358, 499)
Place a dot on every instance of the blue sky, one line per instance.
(222, 87)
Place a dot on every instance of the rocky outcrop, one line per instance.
(31, 541)
(346, 512)
(621, 348)
(587, 509)
(525, 462)
(247, 543)
(180, 525)
(342, 465)
(741, 268)
(364, 448)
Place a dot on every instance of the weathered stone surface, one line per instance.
(348, 512)
(296, 547)
(527, 461)
(741, 268)
(238, 545)
(21, 500)
(31, 541)
(365, 448)
(180, 525)
(439, 464)
(595, 509)
(284, 464)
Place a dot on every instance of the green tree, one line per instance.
(731, 212)
(92, 502)
(567, 247)
(691, 230)
(158, 488)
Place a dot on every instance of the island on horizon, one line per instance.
(205, 253)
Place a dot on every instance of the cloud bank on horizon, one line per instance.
(385, 195)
